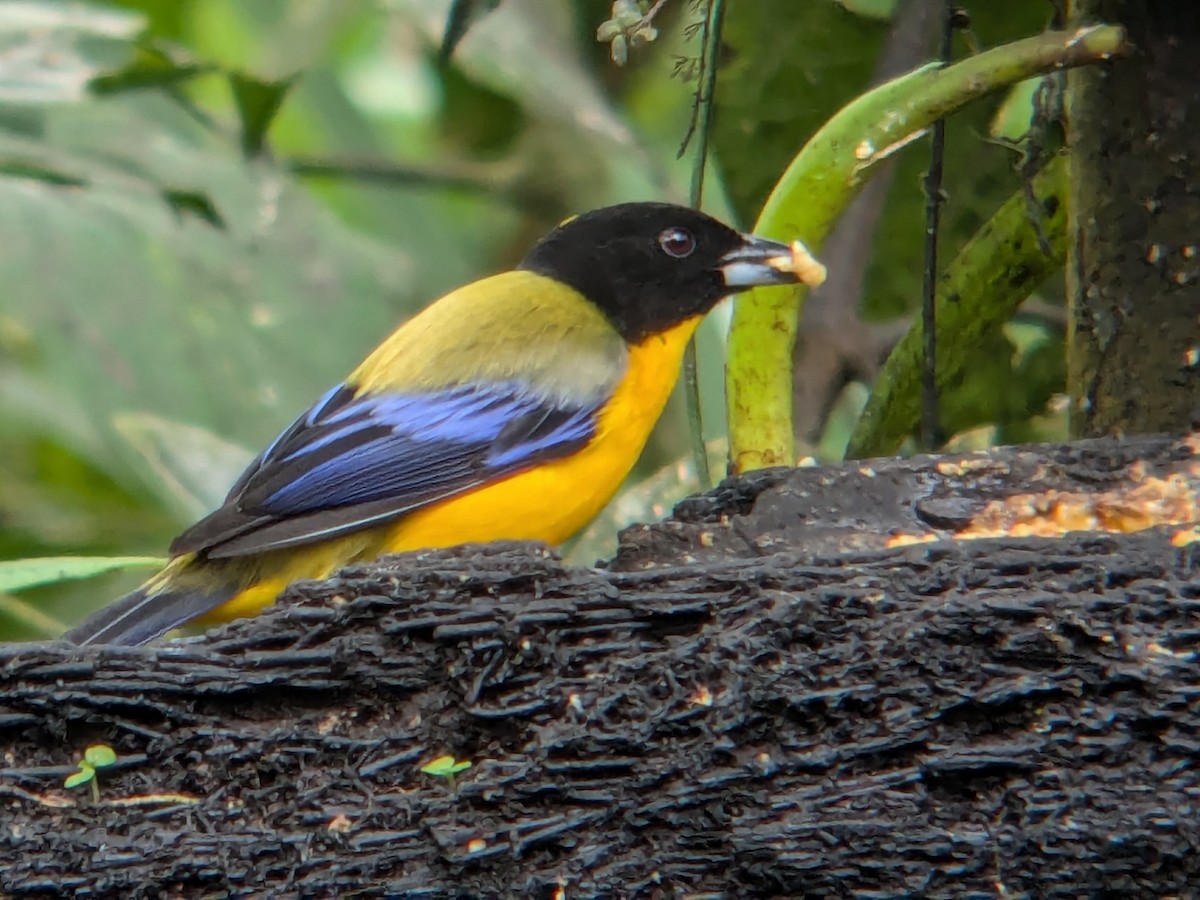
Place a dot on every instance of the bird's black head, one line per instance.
(650, 266)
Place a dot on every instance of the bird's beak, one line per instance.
(758, 262)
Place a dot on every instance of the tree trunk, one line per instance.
(758, 698)
(1134, 268)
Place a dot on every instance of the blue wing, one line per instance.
(355, 461)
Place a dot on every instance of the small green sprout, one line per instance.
(446, 767)
(97, 756)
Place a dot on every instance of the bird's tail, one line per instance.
(162, 603)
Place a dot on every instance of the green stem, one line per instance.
(708, 85)
(822, 180)
(977, 294)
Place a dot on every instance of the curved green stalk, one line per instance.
(822, 180)
(977, 294)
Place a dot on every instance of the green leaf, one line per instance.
(85, 774)
(445, 767)
(840, 421)
(99, 756)
(194, 203)
(151, 67)
(257, 103)
(21, 574)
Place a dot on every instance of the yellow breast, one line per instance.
(554, 500)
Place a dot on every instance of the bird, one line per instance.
(510, 408)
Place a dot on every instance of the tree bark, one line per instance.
(758, 698)
(1133, 275)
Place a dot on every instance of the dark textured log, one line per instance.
(1133, 268)
(950, 719)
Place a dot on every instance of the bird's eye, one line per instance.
(677, 242)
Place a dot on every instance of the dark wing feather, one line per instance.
(355, 461)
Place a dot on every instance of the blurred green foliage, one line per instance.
(209, 211)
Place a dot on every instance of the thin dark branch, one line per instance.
(933, 205)
(705, 93)
(702, 99)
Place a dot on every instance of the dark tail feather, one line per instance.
(149, 612)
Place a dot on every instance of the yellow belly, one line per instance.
(549, 502)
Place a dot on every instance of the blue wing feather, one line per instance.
(352, 461)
